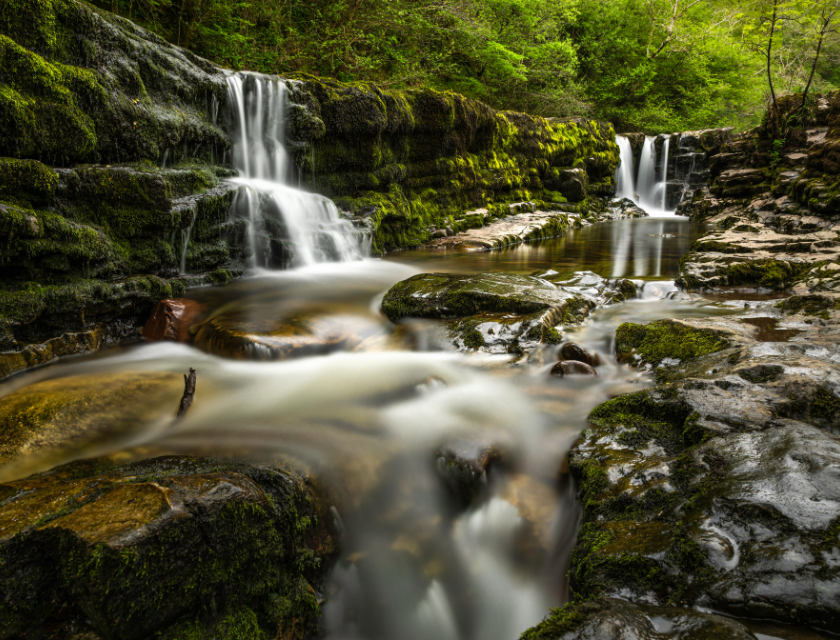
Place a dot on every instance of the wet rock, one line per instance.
(508, 231)
(463, 464)
(257, 333)
(173, 546)
(69, 343)
(718, 488)
(762, 196)
(57, 417)
(612, 619)
(494, 312)
(573, 184)
(536, 504)
(572, 351)
(672, 341)
(443, 295)
(626, 208)
(171, 319)
(572, 368)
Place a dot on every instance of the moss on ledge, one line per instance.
(663, 339)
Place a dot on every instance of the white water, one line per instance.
(309, 224)
(624, 176)
(649, 190)
(664, 183)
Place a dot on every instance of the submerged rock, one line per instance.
(612, 619)
(256, 333)
(572, 368)
(170, 547)
(572, 351)
(57, 417)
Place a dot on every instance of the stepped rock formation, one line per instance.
(777, 204)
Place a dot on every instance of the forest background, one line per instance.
(645, 65)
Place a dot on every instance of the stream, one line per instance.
(372, 423)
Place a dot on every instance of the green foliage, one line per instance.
(644, 64)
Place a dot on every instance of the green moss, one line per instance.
(424, 157)
(474, 340)
(772, 274)
(27, 179)
(560, 621)
(810, 305)
(665, 339)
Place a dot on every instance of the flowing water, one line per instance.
(374, 424)
(647, 187)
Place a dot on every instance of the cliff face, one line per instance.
(113, 150)
(419, 159)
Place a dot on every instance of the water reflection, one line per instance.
(646, 248)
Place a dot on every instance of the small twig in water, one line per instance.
(189, 392)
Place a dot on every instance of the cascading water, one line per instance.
(646, 182)
(649, 191)
(309, 225)
(624, 174)
(664, 183)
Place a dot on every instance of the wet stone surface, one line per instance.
(720, 487)
(502, 313)
(612, 619)
(133, 550)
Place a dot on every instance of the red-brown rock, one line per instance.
(171, 320)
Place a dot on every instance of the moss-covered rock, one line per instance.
(444, 295)
(673, 340)
(612, 618)
(82, 85)
(691, 492)
(418, 159)
(169, 548)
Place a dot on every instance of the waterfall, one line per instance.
(624, 173)
(282, 220)
(648, 192)
(665, 147)
(646, 185)
(185, 243)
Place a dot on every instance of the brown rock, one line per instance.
(571, 351)
(572, 368)
(171, 320)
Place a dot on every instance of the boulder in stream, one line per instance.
(169, 548)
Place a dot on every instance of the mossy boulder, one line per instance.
(612, 618)
(171, 547)
(83, 85)
(445, 295)
(671, 340)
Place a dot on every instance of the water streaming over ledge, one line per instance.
(309, 225)
(648, 188)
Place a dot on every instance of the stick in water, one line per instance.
(189, 392)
